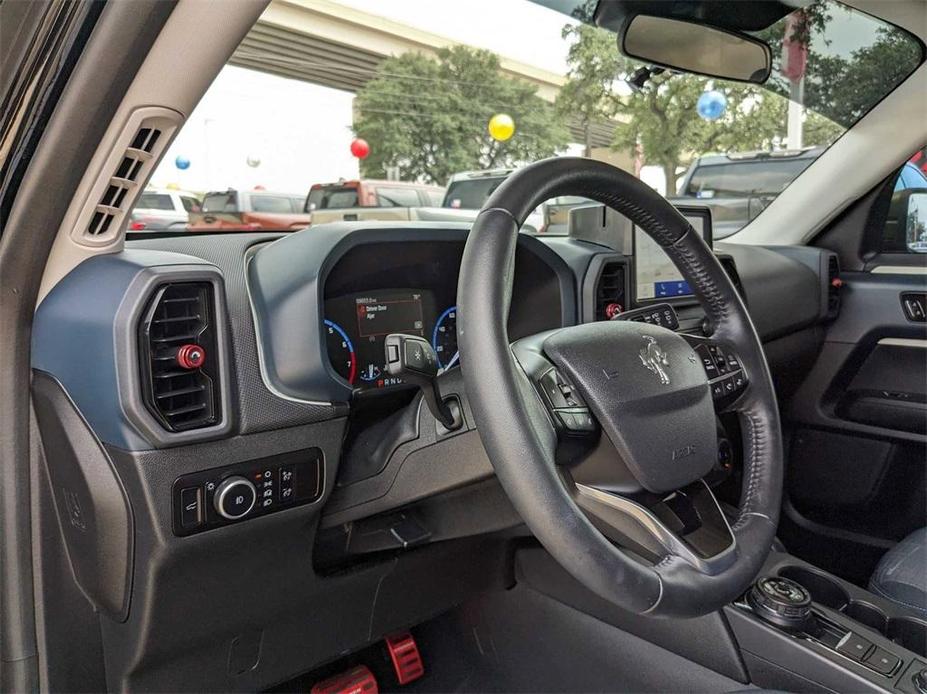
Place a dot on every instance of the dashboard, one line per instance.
(379, 288)
(287, 454)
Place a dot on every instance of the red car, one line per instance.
(257, 210)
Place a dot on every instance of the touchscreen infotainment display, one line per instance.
(655, 275)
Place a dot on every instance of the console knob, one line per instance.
(920, 680)
(780, 601)
(234, 498)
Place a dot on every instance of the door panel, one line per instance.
(856, 472)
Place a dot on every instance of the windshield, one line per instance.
(450, 99)
(470, 194)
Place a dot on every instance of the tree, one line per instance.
(661, 117)
(593, 66)
(429, 117)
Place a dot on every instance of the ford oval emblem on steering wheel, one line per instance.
(654, 358)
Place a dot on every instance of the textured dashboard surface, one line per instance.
(258, 408)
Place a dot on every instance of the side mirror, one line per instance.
(916, 222)
(692, 47)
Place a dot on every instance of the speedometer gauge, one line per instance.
(340, 351)
(444, 338)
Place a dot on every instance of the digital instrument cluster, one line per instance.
(357, 324)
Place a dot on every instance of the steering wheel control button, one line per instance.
(235, 497)
(191, 507)
(191, 357)
(781, 602)
(662, 315)
(854, 646)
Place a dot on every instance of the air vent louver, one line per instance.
(609, 289)
(124, 179)
(179, 396)
(130, 159)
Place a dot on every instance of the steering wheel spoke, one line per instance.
(688, 523)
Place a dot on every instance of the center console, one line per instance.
(801, 629)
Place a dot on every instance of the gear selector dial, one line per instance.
(780, 601)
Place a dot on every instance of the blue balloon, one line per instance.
(181, 162)
(711, 105)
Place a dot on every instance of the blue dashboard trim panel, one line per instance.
(80, 338)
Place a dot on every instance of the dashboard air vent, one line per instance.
(731, 269)
(609, 291)
(834, 283)
(179, 356)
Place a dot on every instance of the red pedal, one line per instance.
(407, 661)
(358, 680)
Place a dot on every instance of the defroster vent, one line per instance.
(179, 356)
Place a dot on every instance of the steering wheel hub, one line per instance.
(647, 388)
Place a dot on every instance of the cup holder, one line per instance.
(910, 633)
(824, 590)
(867, 615)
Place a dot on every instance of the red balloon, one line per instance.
(360, 148)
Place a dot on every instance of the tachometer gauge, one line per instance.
(444, 338)
(341, 351)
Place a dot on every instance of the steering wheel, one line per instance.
(621, 503)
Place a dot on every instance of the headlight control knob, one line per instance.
(234, 498)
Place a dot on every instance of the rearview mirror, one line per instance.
(697, 48)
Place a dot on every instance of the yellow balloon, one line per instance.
(501, 127)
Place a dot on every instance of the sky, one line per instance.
(300, 132)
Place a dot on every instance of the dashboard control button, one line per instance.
(882, 661)
(235, 497)
(717, 389)
(191, 507)
(287, 483)
(854, 646)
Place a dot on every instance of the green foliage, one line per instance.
(429, 117)
(662, 116)
(593, 65)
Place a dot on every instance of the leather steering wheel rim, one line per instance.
(512, 424)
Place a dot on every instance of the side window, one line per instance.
(905, 228)
(220, 202)
(273, 204)
(155, 201)
(434, 197)
(397, 197)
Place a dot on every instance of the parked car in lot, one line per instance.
(233, 210)
(738, 186)
(163, 210)
(468, 190)
(372, 193)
